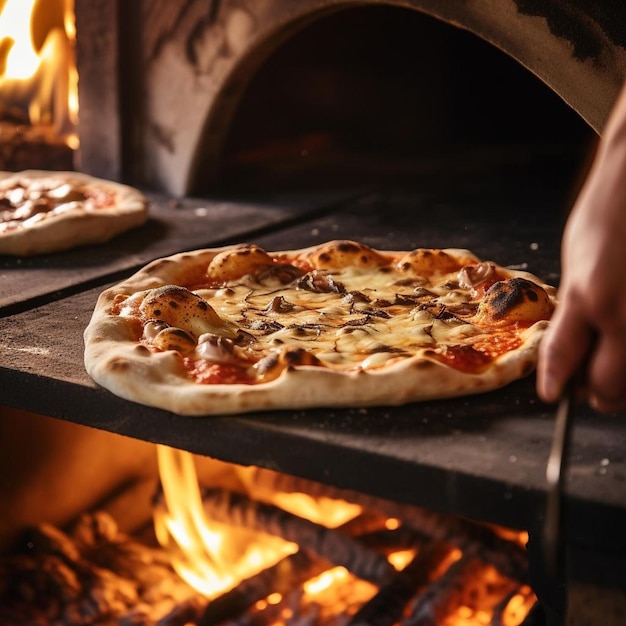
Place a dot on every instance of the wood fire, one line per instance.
(38, 84)
(233, 556)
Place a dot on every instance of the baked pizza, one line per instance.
(45, 211)
(240, 329)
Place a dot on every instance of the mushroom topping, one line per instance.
(172, 338)
(216, 348)
(320, 283)
(278, 304)
(153, 327)
(272, 365)
(473, 275)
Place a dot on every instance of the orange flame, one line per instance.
(37, 67)
(209, 556)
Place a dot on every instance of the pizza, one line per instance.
(45, 211)
(239, 329)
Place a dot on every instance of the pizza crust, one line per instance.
(118, 362)
(157, 380)
(74, 227)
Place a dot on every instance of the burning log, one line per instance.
(25, 147)
(288, 574)
(392, 540)
(388, 605)
(498, 611)
(430, 606)
(283, 577)
(535, 616)
(466, 584)
(235, 509)
(508, 557)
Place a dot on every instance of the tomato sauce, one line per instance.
(214, 373)
(475, 358)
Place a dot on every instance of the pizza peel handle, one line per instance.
(555, 475)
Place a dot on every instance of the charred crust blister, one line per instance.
(348, 246)
(504, 296)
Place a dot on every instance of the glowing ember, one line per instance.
(37, 68)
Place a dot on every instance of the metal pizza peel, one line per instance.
(556, 469)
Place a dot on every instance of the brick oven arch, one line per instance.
(194, 82)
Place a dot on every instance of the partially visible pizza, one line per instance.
(240, 329)
(46, 211)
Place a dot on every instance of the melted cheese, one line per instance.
(364, 317)
(23, 206)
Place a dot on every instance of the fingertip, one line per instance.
(548, 388)
(548, 384)
(561, 354)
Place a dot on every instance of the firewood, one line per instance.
(49, 540)
(235, 509)
(430, 606)
(364, 524)
(166, 612)
(93, 575)
(388, 605)
(535, 616)
(498, 611)
(283, 577)
(507, 556)
(94, 529)
(99, 541)
(25, 147)
(466, 583)
(288, 574)
(393, 540)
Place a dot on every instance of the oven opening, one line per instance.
(38, 85)
(381, 95)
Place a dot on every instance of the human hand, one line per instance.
(586, 339)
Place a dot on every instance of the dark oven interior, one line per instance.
(288, 124)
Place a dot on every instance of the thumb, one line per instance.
(562, 351)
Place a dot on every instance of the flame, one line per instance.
(214, 558)
(211, 557)
(40, 77)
